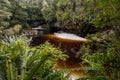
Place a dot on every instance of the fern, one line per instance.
(27, 63)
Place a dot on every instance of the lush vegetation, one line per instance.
(81, 17)
(68, 14)
(103, 58)
(18, 61)
(97, 20)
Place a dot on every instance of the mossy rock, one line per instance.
(17, 28)
(12, 31)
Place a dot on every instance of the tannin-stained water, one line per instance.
(69, 43)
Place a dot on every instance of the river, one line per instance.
(70, 44)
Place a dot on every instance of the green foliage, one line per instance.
(4, 14)
(108, 14)
(69, 14)
(49, 10)
(18, 61)
(21, 12)
(18, 12)
(103, 59)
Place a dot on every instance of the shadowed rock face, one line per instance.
(55, 29)
(36, 23)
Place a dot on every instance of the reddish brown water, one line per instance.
(70, 46)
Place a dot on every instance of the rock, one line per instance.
(12, 31)
(17, 28)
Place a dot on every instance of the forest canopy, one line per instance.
(70, 14)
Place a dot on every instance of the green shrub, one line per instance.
(103, 57)
(18, 61)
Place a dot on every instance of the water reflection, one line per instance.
(69, 36)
